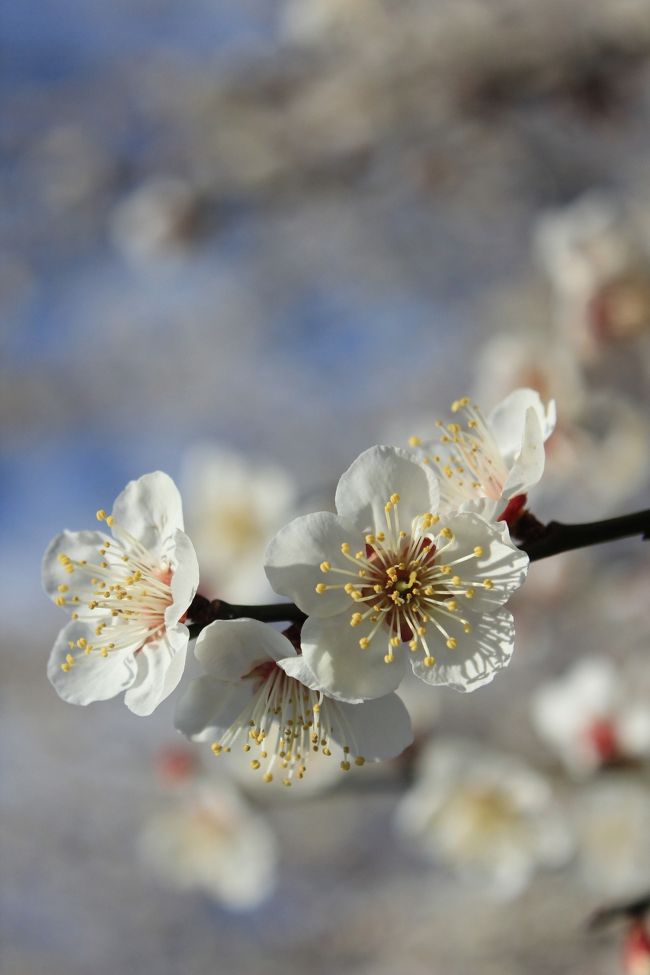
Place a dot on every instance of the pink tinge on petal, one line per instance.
(513, 510)
(603, 739)
(636, 950)
(175, 765)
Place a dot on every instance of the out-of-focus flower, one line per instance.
(599, 272)
(484, 814)
(210, 840)
(397, 575)
(127, 595)
(158, 218)
(611, 820)
(636, 948)
(491, 461)
(592, 716)
(233, 507)
(258, 694)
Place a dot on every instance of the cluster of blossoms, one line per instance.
(415, 566)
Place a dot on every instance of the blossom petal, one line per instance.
(507, 420)
(230, 649)
(185, 578)
(91, 677)
(344, 671)
(376, 729)
(80, 547)
(528, 465)
(149, 509)
(209, 707)
(477, 657)
(377, 474)
(293, 558)
(502, 563)
(160, 668)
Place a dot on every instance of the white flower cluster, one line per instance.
(415, 566)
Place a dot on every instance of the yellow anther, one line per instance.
(370, 539)
(364, 642)
(359, 555)
(452, 605)
(81, 643)
(65, 667)
(359, 760)
(470, 593)
(254, 764)
(355, 619)
(320, 588)
(413, 645)
(69, 658)
(467, 628)
(429, 661)
(104, 652)
(63, 587)
(63, 559)
(478, 551)
(388, 507)
(345, 547)
(100, 515)
(414, 441)
(421, 631)
(69, 568)
(267, 777)
(446, 533)
(109, 521)
(246, 747)
(488, 584)
(456, 581)
(389, 658)
(325, 566)
(60, 600)
(394, 499)
(316, 708)
(395, 641)
(452, 643)
(345, 766)
(216, 748)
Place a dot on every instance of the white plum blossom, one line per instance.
(258, 695)
(485, 815)
(484, 463)
(233, 506)
(592, 716)
(208, 839)
(386, 579)
(127, 595)
(611, 819)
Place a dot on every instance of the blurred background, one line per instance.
(241, 242)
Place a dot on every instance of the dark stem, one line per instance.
(541, 541)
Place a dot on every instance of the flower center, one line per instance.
(125, 592)
(470, 462)
(403, 586)
(285, 722)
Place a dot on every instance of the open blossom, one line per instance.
(258, 695)
(594, 716)
(127, 595)
(386, 579)
(484, 463)
(233, 506)
(484, 814)
(208, 839)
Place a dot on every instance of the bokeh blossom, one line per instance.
(386, 578)
(594, 715)
(485, 815)
(208, 839)
(127, 595)
(258, 696)
(233, 507)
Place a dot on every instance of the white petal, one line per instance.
(342, 669)
(185, 578)
(293, 558)
(502, 562)
(477, 657)
(528, 465)
(376, 730)
(91, 677)
(160, 668)
(374, 476)
(78, 546)
(507, 420)
(230, 649)
(150, 509)
(209, 706)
